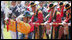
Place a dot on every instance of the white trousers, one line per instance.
(13, 34)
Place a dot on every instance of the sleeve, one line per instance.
(49, 19)
(32, 26)
(62, 12)
(32, 18)
(66, 20)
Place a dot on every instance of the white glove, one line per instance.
(6, 18)
(18, 9)
(22, 10)
(30, 20)
(63, 22)
(31, 13)
(18, 19)
(10, 11)
(45, 23)
(69, 24)
(51, 23)
(58, 7)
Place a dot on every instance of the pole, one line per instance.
(2, 35)
(16, 31)
(52, 23)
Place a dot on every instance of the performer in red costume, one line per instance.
(68, 13)
(67, 28)
(51, 14)
(61, 16)
(37, 17)
(61, 9)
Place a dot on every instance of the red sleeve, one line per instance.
(62, 11)
(50, 19)
(28, 9)
(28, 5)
(40, 18)
(32, 18)
(32, 26)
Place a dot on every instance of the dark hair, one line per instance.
(67, 5)
(61, 3)
(50, 5)
(32, 3)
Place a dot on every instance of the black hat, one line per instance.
(67, 6)
(27, 14)
(61, 3)
(32, 4)
(51, 5)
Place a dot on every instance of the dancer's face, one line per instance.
(26, 19)
(33, 8)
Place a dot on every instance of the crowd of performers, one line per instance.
(24, 20)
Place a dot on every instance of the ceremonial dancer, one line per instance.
(37, 17)
(67, 27)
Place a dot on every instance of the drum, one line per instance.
(23, 27)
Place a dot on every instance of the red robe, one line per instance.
(58, 17)
(58, 20)
(61, 11)
(40, 20)
(50, 18)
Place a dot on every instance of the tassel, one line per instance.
(7, 28)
